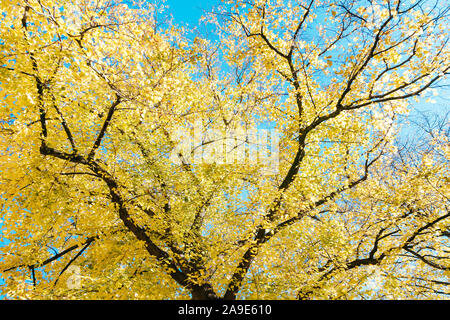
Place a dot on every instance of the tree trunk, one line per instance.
(203, 292)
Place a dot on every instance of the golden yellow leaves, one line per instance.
(334, 100)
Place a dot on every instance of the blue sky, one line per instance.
(189, 11)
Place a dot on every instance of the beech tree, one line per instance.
(102, 198)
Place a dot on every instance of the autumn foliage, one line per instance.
(94, 95)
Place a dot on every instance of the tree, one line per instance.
(98, 96)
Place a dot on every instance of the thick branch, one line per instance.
(104, 127)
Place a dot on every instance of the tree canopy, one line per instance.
(99, 201)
